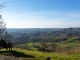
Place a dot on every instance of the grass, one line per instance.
(37, 55)
(67, 44)
(33, 54)
(54, 56)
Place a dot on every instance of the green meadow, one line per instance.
(24, 54)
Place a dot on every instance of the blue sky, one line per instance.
(41, 13)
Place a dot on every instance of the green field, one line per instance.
(37, 55)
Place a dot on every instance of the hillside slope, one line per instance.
(23, 54)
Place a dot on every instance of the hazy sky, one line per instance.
(41, 13)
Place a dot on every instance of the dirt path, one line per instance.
(8, 58)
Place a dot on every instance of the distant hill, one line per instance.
(23, 35)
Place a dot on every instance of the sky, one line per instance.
(41, 13)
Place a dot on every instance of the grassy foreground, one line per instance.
(36, 55)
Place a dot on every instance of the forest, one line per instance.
(43, 34)
(45, 39)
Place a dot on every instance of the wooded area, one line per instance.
(46, 39)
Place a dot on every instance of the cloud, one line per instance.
(41, 19)
(42, 24)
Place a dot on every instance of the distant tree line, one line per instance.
(43, 35)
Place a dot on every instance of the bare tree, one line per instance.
(2, 26)
(2, 5)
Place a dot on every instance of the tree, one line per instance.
(2, 5)
(3, 25)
